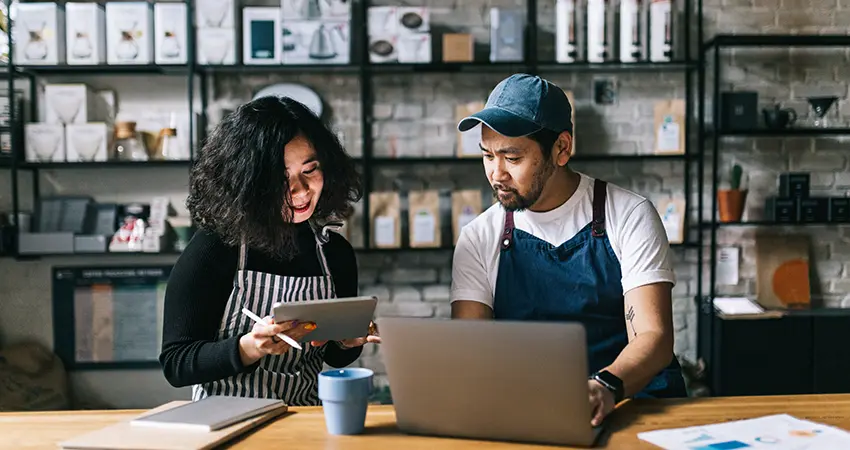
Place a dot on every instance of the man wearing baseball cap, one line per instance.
(562, 246)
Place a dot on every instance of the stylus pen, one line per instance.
(257, 319)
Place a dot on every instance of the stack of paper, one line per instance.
(183, 425)
(778, 432)
(737, 305)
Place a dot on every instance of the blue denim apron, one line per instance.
(578, 281)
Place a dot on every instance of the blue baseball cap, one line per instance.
(523, 104)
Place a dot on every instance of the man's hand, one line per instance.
(601, 402)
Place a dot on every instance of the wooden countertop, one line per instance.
(305, 428)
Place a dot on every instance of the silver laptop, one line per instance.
(489, 380)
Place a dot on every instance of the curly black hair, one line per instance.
(238, 187)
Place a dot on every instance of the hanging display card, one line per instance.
(109, 317)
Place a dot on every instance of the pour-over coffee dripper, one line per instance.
(310, 9)
(66, 105)
(45, 143)
(216, 48)
(87, 143)
(820, 106)
(412, 48)
(214, 12)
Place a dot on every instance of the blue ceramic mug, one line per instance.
(345, 398)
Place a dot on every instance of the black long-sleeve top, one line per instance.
(198, 289)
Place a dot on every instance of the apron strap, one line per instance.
(243, 255)
(599, 193)
(508, 233)
(243, 259)
(321, 238)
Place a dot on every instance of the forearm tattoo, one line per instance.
(630, 317)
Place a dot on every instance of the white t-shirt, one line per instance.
(633, 225)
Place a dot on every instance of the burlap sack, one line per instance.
(32, 379)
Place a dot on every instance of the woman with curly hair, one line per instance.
(267, 186)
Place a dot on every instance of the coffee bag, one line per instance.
(670, 127)
(385, 219)
(468, 141)
(672, 212)
(424, 218)
(466, 206)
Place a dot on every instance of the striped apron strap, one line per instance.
(243, 260)
(326, 288)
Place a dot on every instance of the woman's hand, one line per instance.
(263, 340)
(372, 338)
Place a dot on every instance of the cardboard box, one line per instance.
(458, 47)
(261, 35)
(170, 33)
(129, 33)
(39, 33)
(85, 33)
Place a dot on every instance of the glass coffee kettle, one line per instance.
(128, 146)
(128, 48)
(81, 48)
(35, 48)
(170, 46)
(310, 9)
(167, 146)
(325, 44)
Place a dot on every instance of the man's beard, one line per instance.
(516, 202)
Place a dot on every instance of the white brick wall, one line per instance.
(416, 115)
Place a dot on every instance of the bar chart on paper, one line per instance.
(779, 432)
(117, 323)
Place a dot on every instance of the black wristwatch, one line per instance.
(611, 382)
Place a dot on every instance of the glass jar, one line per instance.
(128, 146)
(167, 145)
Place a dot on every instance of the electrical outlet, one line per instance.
(605, 91)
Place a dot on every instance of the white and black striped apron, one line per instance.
(293, 376)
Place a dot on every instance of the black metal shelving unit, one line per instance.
(17, 161)
(198, 80)
(707, 320)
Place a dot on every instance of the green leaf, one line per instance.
(737, 172)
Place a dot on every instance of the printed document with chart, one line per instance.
(778, 432)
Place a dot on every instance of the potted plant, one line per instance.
(731, 201)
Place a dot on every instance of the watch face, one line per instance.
(613, 383)
(611, 379)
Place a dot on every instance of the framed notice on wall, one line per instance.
(109, 317)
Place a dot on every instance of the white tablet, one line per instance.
(336, 319)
